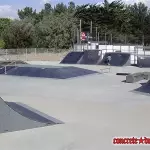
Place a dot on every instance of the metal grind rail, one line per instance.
(5, 67)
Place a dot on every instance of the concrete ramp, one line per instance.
(143, 61)
(55, 72)
(91, 57)
(72, 58)
(15, 118)
(117, 59)
(144, 89)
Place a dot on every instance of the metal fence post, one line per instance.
(35, 52)
(137, 52)
(144, 50)
(26, 53)
(6, 53)
(17, 54)
(134, 55)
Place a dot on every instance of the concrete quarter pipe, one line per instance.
(90, 57)
(11, 120)
(72, 58)
(117, 59)
(143, 61)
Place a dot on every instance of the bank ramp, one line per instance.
(72, 58)
(117, 59)
(14, 117)
(91, 57)
(144, 89)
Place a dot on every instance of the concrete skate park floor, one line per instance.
(95, 108)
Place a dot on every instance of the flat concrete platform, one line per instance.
(94, 109)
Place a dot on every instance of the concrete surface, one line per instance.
(95, 109)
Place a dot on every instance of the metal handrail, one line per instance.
(5, 67)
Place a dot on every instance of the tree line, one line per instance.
(56, 27)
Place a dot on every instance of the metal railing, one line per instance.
(5, 67)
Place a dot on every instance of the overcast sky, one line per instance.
(8, 8)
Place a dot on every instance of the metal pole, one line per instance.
(91, 28)
(111, 39)
(125, 39)
(74, 35)
(6, 54)
(98, 37)
(35, 51)
(26, 54)
(17, 54)
(105, 38)
(143, 44)
(77, 36)
(80, 30)
(137, 52)
(96, 34)
(91, 31)
(105, 42)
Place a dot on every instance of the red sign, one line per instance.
(83, 36)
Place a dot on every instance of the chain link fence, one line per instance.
(31, 54)
(112, 38)
(109, 42)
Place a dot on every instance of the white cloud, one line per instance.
(147, 2)
(137, 1)
(44, 1)
(7, 11)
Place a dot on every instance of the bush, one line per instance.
(2, 44)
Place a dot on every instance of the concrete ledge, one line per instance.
(132, 78)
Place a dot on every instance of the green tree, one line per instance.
(71, 7)
(55, 31)
(60, 8)
(108, 15)
(18, 35)
(4, 23)
(47, 10)
(2, 44)
(139, 14)
(26, 12)
(55, 27)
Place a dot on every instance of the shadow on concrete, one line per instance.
(144, 89)
(32, 114)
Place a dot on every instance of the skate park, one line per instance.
(80, 104)
(74, 75)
